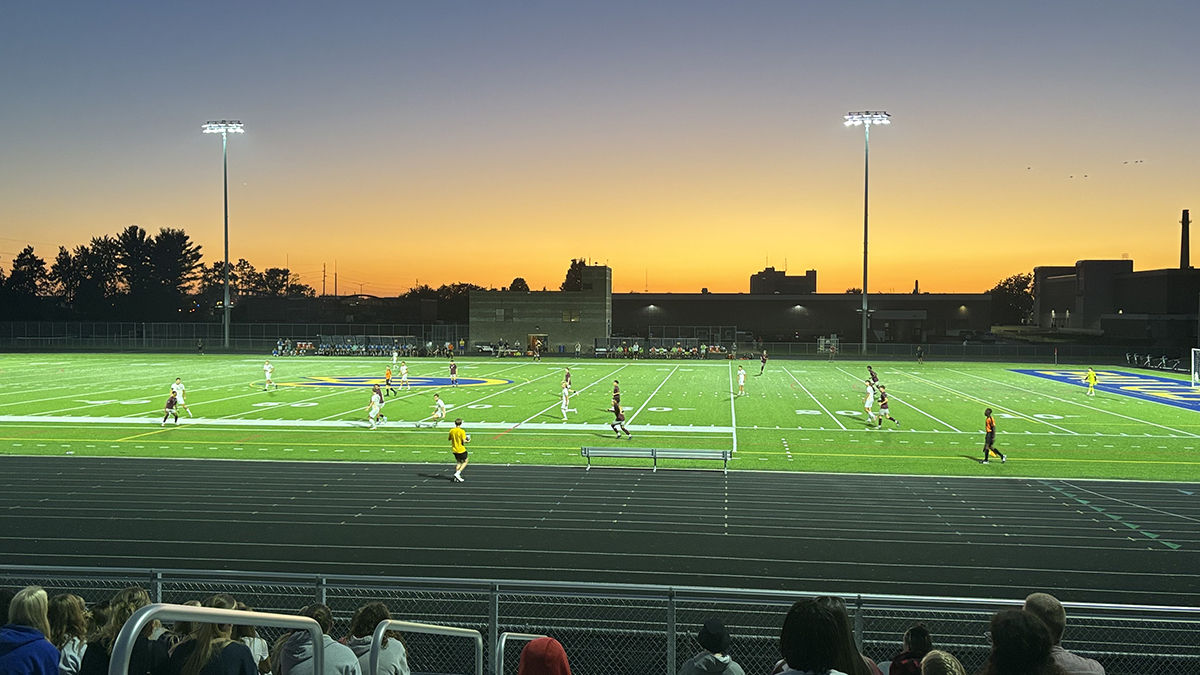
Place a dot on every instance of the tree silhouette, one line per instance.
(1012, 300)
(574, 280)
(518, 284)
(29, 278)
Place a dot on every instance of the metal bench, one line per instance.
(656, 454)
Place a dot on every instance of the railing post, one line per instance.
(156, 586)
(321, 590)
(671, 631)
(858, 622)
(494, 627)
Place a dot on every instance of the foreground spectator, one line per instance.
(145, 657)
(99, 619)
(1020, 646)
(849, 659)
(917, 643)
(715, 641)
(24, 647)
(544, 656)
(68, 631)
(393, 655)
(181, 631)
(293, 651)
(248, 636)
(810, 640)
(1047, 608)
(212, 649)
(938, 662)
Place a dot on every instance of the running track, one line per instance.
(1100, 541)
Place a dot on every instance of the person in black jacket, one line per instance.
(212, 649)
(146, 658)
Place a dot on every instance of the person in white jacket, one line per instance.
(293, 652)
(393, 656)
(68, 631)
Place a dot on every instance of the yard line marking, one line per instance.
(1082, 405)
(418, 392)
(814, 398)
(542, 412)
(732, 410)
(1128, 503)
(908, 404)
(647, 402)
(989, 404)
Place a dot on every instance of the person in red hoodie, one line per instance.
(917, 643)
(544, 656)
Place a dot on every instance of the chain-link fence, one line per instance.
(639, 630)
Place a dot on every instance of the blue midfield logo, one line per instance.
(413, 381)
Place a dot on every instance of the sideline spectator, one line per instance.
(393, 655)
(68, 631)
(849, 659)
(181, 631)
(99, 619)
(810, 640)
(544, 656)
(25, 648)
(917, 643)
(715, 640)
(1047, 608)
(259, 648)
(1020, 646)
(145, 657)
(938, 662)
(212, 649)
(293, 651)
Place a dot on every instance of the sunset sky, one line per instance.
(685, 143)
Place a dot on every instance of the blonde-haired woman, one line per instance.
(146, 656)
(68, 631)
(938, 662)
(212, 649)
(24, 645)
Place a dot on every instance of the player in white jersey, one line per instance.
(395, 355)
(439, 409)
(375, 408)
(404, 376)
(177, 389)
(869, 402)
(741, 381)
(565, 403)
(267, 370)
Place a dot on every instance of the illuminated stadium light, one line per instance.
(225, 127)
(865, 119)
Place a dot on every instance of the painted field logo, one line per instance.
(1178, 393)
(414, 381)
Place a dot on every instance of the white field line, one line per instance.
(1129, 503)
(419, 392)
(946, 424)
(732, 409)
(647, 401)
(814, 398)
(89, 392)
(537, 414)
(988, 403)
(1081, 405)
(484, 398)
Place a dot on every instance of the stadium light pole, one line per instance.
(225, 127)
(865, 119)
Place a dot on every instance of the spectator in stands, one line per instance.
(181, 631)
(146, 656)
(1047, 608)
(248, 636)
(544, 656)
(98, 619)
(212, 649)
(68, 631)
(810, 640)
(938, 662)
(917, 643)
(849, 659)
(715, 641)
(393, 656)
(293, 651)
(24, 645)
(1020, 645)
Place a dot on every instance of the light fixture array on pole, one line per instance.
(225, 127)
(865, 119)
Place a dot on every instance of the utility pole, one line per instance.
(322, 278)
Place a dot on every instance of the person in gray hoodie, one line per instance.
(293, 652)
(715, 640)
(393, 658)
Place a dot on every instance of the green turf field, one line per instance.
(798, 416)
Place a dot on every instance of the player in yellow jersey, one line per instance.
(1090, 378)
(458, 445)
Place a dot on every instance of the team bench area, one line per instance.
(657, 454)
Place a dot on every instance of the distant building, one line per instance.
(557, 318)
(776, 282)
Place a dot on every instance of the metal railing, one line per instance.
(502, 642)
(621, 628)
(122, 650)
(427, 629)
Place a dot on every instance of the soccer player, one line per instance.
(387, 382)
(989, 438)
(404, 376)
(178, 389)
(169, 409)
(832, 351)
(267, 370)
(439, 409)
(453, 373)
(566, 400)
(763, 358)
(869, 402)
(537, 351)
(395, 355)
(873, 376)
(1090, 378)
(883, 407)
(458, 445)
(578, 349)
(741, 381)
(920, 354)
(618, 423)
(567, 377)
(616, 392)
(375, 407)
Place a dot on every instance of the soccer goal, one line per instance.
(1195, 367)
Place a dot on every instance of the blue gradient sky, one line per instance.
(686, 142)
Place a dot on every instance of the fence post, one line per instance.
(156, 586)
(858, 622)
(670, 631)
(321, 590)
(494, 627)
